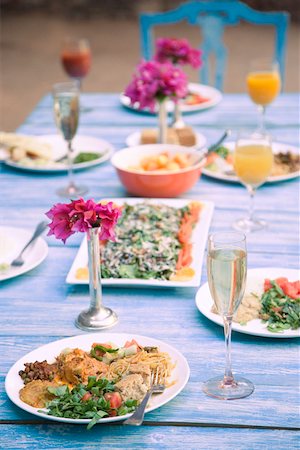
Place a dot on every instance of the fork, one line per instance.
(19, 261)
(157, 387)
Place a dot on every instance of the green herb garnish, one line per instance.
(83, 157)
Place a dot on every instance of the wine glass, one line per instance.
(227, 270)
(263, 84)
(66, 113)
(76, 57)
(253, 159)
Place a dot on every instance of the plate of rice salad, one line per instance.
(160, 243)
(97, 377)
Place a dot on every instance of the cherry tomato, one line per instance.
(130, 343)
(114, 399)
(86, 397)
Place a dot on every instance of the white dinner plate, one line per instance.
(12, 241)
(59, 149)
(212, 95)
(180, 373)
(134, 139)
(198, 240)
(255, 281)
(277, 147)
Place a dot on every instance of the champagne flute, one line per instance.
(253, 159)
(227, 270)
(263, 84)
(66, 113)
(76, 57)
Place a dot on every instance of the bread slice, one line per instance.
(25, 145)
(180, 136)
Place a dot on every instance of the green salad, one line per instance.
(94, 400)
(278, 309)
(147, 245)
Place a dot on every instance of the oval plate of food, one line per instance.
(121, 377)
(149, 250)
(200, 97)
(286, 165)
(257, 304)
(48, 153)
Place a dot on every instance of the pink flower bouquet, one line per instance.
(154, 81)
(178, 51)
(80, 216)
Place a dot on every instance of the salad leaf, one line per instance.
(223, 152)
(104, 349)
(86, 157)
(128, 271)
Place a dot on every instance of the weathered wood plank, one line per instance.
(147, 437)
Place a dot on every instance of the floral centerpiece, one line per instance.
(154, 82)
(98, 221)
(178, 52)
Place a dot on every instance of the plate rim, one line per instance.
(23, 269)
(13, 371)
(135, 282)
(215, 318)
(81, 166)
(274, 179)
(186, 109)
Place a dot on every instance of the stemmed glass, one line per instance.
(253, 159)
(227, 270)
(263, 84)
(66, 113)
(76, 57)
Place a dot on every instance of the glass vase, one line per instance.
(97, 317)
(162, 122)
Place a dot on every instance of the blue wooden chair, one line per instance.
(212, 17)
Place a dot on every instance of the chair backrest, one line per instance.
(212, 17)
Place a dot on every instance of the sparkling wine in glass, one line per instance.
(227, 270)
(263, 85)
(253, 159)
(66, 113)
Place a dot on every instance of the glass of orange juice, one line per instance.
(253, 159)
(263, 84)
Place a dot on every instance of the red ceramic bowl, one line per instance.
(163, 183)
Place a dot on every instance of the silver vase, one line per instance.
(162, 122)
(177, 121)
(97, 317)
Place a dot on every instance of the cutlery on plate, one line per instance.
(212, 147)
(40, 228)
(157, 386)
(217, 144)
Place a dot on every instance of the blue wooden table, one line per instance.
(39, 307)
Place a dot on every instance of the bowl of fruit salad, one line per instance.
(158, 170)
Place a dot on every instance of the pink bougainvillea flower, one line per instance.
(80, 215)
(154, 81)
(60, 226)
(178, 51)
(83, 214)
